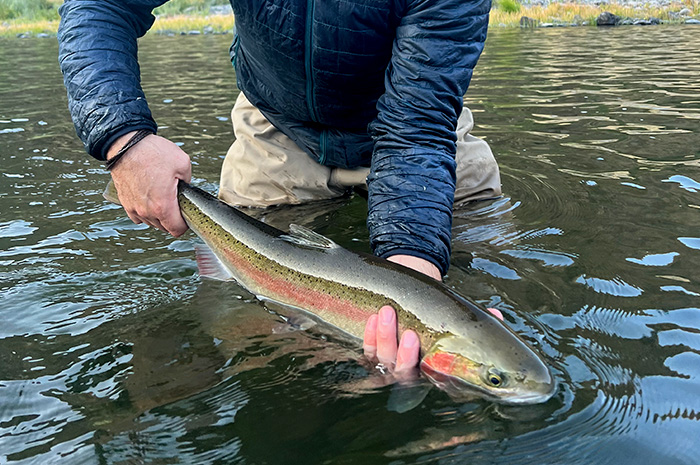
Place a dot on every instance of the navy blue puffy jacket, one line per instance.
(353, 82)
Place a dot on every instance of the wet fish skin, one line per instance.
(463, 345)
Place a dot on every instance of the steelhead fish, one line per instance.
(465, 350)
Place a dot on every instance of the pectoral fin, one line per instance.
(294, 323)
(406, 397)
(209, 264)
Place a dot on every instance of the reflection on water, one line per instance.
(113, 350)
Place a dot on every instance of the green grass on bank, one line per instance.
(28, 10)
(47, 10)
(508, 6)
(32, 17)
(31, 11)
(508, 15)
(188, 7)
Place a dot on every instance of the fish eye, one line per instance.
(494, 378)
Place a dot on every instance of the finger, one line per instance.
(187, 175)
(171, 218)
(369, 343)
(178, 228)
(139, 219)
(157, 224)
(495, 312)
(387, 342)
(152, 213)
(154, 223)
(173, 221)
(408, 354)
(138, 216)
(134, 217)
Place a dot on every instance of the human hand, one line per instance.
(380, 339)
(146, 182)
(380, 343)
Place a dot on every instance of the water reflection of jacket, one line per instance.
(353, 82)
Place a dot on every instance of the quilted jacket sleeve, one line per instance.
(412, 182)
(98, 58)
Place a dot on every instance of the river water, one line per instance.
(113, 350)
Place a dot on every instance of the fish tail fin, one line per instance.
(110, 193)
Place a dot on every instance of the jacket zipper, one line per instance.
(308, 65)
(322, 150)
(308, 50)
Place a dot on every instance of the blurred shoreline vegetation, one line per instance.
(507, 6)
(508, 13)
(32, 17)
(25, 18)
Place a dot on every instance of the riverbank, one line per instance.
(209, 17)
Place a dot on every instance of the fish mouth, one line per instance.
(460, 390)
(528, 399)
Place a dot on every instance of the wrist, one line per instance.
(120, 138)
(118, 144)
(419, 264)
(134, 139)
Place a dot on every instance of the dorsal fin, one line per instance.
(305, 237)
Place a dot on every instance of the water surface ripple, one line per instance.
(113, 350)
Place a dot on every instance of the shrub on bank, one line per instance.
(29, 10)
(508, 6)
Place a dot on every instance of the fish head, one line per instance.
(511, 375)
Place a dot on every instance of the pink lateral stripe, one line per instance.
(294, 294)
